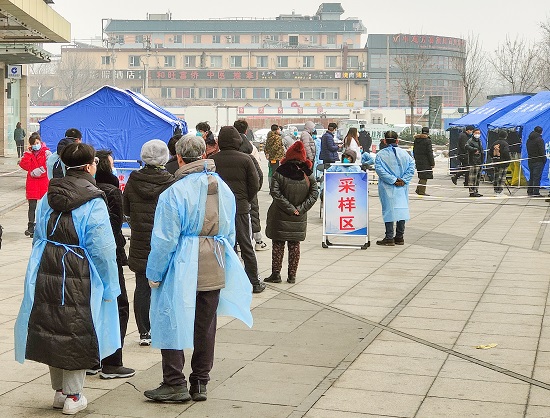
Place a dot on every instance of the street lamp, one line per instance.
(110, 42)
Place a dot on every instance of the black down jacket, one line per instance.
(140, 199)
(63, 335)
(293, 186)
(423, 156)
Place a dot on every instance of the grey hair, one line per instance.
(191, 147)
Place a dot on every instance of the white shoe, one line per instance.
(59, 400)
(261, 246)
(71, 406)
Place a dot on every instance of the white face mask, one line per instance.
(477, 136)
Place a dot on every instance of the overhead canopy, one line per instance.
(490, 111)
(111, 118)
(523, 119)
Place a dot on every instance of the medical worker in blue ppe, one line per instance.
(395, 169)
(69, 314)
(194, 272)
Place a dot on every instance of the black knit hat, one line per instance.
(502, 134)
(469, 128)
(425, 130)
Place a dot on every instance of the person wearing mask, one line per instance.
(238, 171)
(107, 181)
(351, 141)
(172, 164)
(36, 186)
(365, 139)
(241, 126)
(329, 149)
(424, 159)
(69, 318)
(139, 201)
(54, 164)
(288, 138)
(203, 130)
(475, 159)
(294, 191)
(307, 140)
(19, 138)
(395, 169)
(537, 159)
(274, 149)
(194, 273)
(499, 153)
(348, 164)
(463, 156)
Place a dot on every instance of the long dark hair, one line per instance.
(104, 165)
(352, 133)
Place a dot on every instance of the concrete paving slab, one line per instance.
(534, 411)
(396, 364)
(460, 408)
(236, 409)
(325, 413)
(385, 381)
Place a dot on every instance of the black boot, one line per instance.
(30, 230)
(274, 278)
(291, 279)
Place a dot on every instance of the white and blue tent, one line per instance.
(115, 119)
(522, 120)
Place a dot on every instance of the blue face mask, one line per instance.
(199, 133)
(346, 160)
(295, 133)
(36, 147)
(314, 136)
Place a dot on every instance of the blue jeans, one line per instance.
(535, 173)
(400, 229)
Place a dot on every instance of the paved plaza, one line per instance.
(387, 331)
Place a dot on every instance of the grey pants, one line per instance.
(70, 381)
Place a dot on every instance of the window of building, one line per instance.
(283, 93)
(215, 39)
(236, 61)
(197, 39)
(216, 61)
(166, 92)
(353, 61)
(314, 40)
(319, 94)
(233, 39)
(262, 61)
(185, 93)
(255, 39)
(309, 61)
(136, 89)
(170, 61)
(233, 93)
(282, 61)
(331, 39)
(159, 46)
(293, 40)
(330, 61)
(119, 39)
(208, 93)
(260, 93)
(139, 39)
(178, 39)
(133, 61)
(189, 61)
(106, 60)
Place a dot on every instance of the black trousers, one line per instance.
(20, 145)
(115, 359)
(204, 339)
(142, 302)
(243, 232)
(32, 212)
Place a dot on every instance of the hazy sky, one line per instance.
(492, 19)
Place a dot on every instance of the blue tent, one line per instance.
(484, 115)
(111, 118)
(523, 119)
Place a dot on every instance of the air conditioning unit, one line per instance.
(306, 39)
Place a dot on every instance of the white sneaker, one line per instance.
(261, 246)
(59, 400)
(145, 339)
(71, 406)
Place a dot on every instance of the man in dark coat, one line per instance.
(140, 201)
(537, 159)
(475, 159)
(499, 153)
(329, 149)
(365, 139)
(462, 155)
(424, 159)
(240, 174)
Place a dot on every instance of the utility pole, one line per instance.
(147, 46)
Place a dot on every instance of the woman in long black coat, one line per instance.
(424, 160)
(294, 191)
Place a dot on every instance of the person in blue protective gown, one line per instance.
(194, 272)
(69, 316)
(395, 169)
(348, 157)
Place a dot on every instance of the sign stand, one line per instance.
(345, 208)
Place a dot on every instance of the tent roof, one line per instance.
(525, 112)
(489, 109)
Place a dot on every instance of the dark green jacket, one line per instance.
(292, 187)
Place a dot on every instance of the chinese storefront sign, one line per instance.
(346, 204)
(247, 75)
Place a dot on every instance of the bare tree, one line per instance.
(76, 75)
(517, 63)
(472, 68)
(545, 55)
(411, 67)
(42, 76)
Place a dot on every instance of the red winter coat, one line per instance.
(36, 186)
